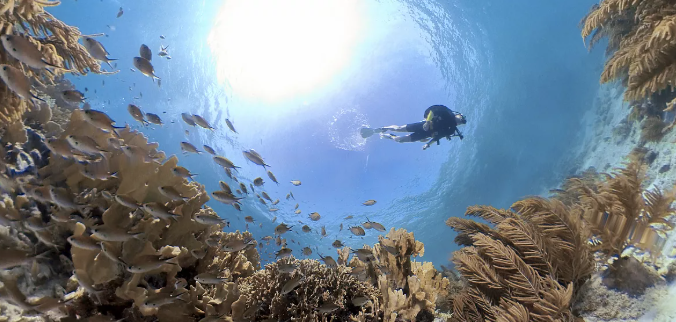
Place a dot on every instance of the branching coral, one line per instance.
(641, 35)
(57, 42)
(526, 267)
(621, 213)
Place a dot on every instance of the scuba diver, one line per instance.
(440, 122)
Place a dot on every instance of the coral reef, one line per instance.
(524, 269)
(56, 41)
(620, 213)
(652, 129)
(640, 40)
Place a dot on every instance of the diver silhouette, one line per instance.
(439, 122)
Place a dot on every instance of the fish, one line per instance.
(273, 209)
(284, 252)
(367, 225)
(25, 51)
(108, 252)
(96, 50)
(252, 187)
(72, 96)
(84, 242)
(86, 283)
(286, 268)
(84, 144)
(262, 201)
(357, 231)
(154, 118)
(290, 285)
(224, 162)
(62, 199)
(369, 202)
(327, 308)
(198, 253)
(159, 210)
(226, 198)
(341, 227)
(272, 177)
(266, 196)
(225, 187)
(230, 126)
(364, 255)
(18, 83)
(323, 231)
(183, 172)
(329, 261)
(392, 250)
(120, 13)
(13, 257)
(290, 195)
(258, 182)
(282, 228)
(149, 263)
(237, 245)
(254, 157)
(275, 202)
(376, 226)
(274, 219)
(162, 37)
(186, 147)
(209, 149)
(160, 300)
(145, 67)
(210, 220)
(145, 52)
(210, 279)
(202, 122)
(137, 114)
(248, 219)
(171, 193)
(306, 229)
(114, 234)
(188, 119)
(97, 173)
(307, 251)
(296, 207)
(100, 120)
(314, 216)
(355, 271)
(295, 182)
(360, 300)
(337, 244)
(348, 217)
(243, 188)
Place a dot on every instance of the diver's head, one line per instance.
(460, 119)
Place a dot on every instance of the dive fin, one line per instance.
(366, 132)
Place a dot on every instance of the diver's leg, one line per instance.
(393, 128)
(400, 139)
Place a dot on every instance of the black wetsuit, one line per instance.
(443, 125)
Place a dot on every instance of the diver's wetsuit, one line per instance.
(443, 125)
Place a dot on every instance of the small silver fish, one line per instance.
(230, 126)
(327, 308)
(72, 96)
(25, 51)
(210, 279)
(84, 144)
(369, 202)
(210, 220)
(306, 229)
(258, 182)
(364, 255)
(297, 212)
(149, 263)
(282, 228)
(357, 231)
(189, 148)
(145, 67)
(272, 177)
(17, 82)
(183, 172)
(159, 210)
(145, 52)
(337, 244)
(392, 250)
(296, 182)
(290, 285)
(209, 149)
(120, 13)
(314, 216)
(237, 245)
(275, 202)
(114, 234)
(96, 50)
(226, 198)
(249, 219)
(286, 268)
(126, 201)
(100, 120)
(188, 119)
(224, 162)
(273, 209)
(329, 261)
(375, 225)
(171, 193)
(307, 251)
(84, 242)
(284, 252)
(202, 122)
(266, 196)
(154, 119)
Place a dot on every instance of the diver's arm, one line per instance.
(457, 132)
(428, 144)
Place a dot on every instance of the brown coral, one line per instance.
(526, 267)
(641, 38)
(57, 41)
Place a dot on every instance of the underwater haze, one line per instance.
(298, 79)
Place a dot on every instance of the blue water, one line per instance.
(517, 70)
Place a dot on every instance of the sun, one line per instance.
(272, 49)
